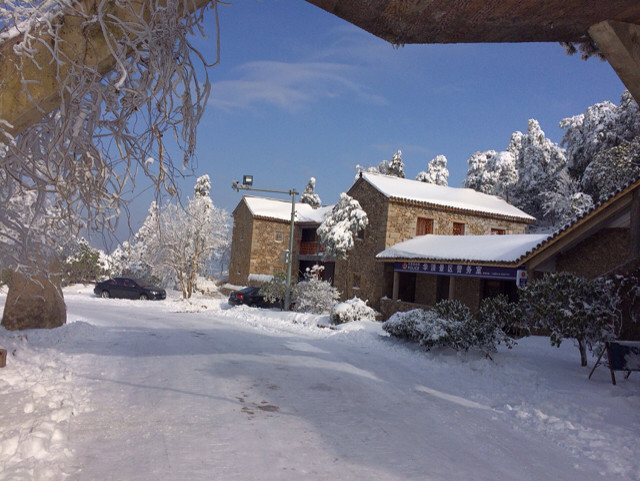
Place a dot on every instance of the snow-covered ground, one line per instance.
(131, 390)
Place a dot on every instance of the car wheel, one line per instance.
(105, 294)
(144, 297)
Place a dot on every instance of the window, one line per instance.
(458, 228)
(356, 281)
(279, 236)
(424, 226)
(360, 234)
(497, 231)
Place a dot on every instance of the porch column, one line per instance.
(634, 228)
(396, 285)
(452, 287)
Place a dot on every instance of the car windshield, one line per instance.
(249, 290)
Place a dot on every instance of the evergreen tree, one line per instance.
(436, 172)
(309, 196)
(538, 162)
(395, 167)
(607, 136)
(340, 226)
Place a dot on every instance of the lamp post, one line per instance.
(247, 184)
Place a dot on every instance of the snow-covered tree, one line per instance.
(612, 168)
(308, 195)
(340, 226)
(106, 112)
(606, 136)
(477, 176)
(436, 171)
(564, 202)
(538, 162)
(568, 306)
(80, 262)
(176, 241)
(393, 167)
(396, 166)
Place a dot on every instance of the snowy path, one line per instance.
(244, 394)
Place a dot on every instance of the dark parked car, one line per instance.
(128, 288)
(251, 297)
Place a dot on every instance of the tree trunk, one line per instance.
(34, 302)
(583, 352)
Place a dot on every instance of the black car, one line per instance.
(128, 288)
(251, 297)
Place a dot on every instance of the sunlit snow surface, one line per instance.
(132, 390)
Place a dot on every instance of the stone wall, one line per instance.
(360, 275)
(269, 239)
(597, 255)
(257, 245)
(403, 218)
(468, 290)
(240, 245)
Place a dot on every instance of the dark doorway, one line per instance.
(407, 287)
(442, 288)
(494, 287)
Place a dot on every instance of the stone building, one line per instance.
(401, 209)
(603, 241)
(261, 235)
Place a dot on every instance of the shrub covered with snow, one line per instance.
(450, 324)
(314, 295)
(274, 289)
(498, 321)
(352, 310)
(571, 307)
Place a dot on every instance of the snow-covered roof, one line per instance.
(465, 248)
(443, 196)
(278, 209)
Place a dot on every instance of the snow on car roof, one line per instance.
(452, 197)
(281, 209)
(465, 248)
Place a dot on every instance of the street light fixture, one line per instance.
(247, 184)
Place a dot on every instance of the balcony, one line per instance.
(311, 248)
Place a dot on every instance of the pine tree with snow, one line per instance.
(492, 172)
(396, 166)
(340, 226)
(607, 136)
(565, 201)
(538, 162)
(309, 196)
(436, 171)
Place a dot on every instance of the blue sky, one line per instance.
(299, 92)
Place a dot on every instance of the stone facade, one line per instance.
(392, 221)
(257, 246)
